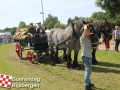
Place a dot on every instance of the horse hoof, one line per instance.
(52, 64)
(58, 62)
(65, 58)
(95, 62)
(77, 68)
(69, 67)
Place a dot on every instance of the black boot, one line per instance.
(91, 85)
(88, 88)
(94, 62)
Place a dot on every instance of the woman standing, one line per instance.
(117, 38)
(107, 44)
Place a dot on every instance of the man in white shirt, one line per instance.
(117, 38)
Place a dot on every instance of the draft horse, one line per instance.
(100, 28)
(96, 30)
(67, 39)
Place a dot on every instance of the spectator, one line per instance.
(40, 30)
(0, 39)
(107, 43)
(117, 38)
(4, 39)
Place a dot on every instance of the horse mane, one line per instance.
(78, 24)
(98, 26)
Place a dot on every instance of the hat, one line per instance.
(39, 23)
(116, 26)
(31, 23)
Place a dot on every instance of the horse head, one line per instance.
(78, 27)
(89, 26)
(108, 30)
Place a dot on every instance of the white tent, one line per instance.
(1, 34)
(47, 31)
(7, 33)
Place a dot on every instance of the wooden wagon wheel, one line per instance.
(30, 57)
(18, 50)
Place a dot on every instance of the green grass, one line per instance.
(105, 76)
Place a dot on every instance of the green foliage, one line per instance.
(50, 21)
(68, 21)
(113, 6)
(98, 16)
(1, 31)
(7, 29)
(82, 18)
(13, 30)
(22, 25)
(76, 18)
(59, 25)
(27, 26)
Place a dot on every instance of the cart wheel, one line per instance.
(30, 57)
(18, 50)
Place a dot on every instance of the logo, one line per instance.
(5, 81)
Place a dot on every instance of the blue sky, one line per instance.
(14, 11)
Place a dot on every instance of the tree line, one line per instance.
(111, 13)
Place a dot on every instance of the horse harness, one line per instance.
(73, 34)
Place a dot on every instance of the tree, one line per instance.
(22, 25)
(112, 6)
(68, 21)
(50, 21)
(27, 26)
(76, 18)
(6, 29)
(82, 18)
(13, 30)
(98, 16)
(59, 25)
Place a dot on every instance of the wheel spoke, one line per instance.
(30, 57)
(18, 50)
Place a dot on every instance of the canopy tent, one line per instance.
(47, 31)
(2, 34)
(5, 33)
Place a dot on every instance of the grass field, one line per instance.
(105, 76)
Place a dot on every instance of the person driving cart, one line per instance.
(31, 33)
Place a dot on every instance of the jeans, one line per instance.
(30, 40)
(117, 44)
(87, 62)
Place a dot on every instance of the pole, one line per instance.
(42, 14)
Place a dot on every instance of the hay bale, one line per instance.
(23, 33)
(24, 37)
(17, 33)
(14, 36)
(19, 37)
